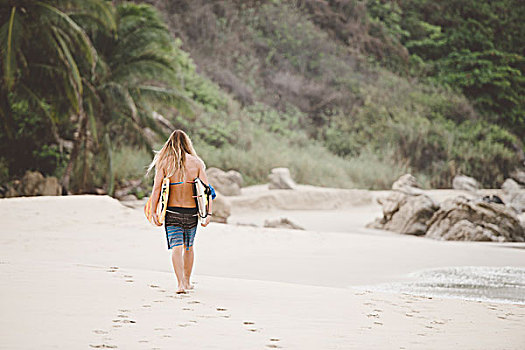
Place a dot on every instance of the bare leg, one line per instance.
(176, 259)
(188, 266)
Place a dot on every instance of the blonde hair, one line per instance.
(172, 156)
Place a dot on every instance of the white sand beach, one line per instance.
(80, 272)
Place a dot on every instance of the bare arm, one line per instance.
(155, 193)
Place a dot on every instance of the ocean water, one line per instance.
(481, 283)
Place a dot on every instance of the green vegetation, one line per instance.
(348, 93)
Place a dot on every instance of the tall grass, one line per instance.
(309, 162)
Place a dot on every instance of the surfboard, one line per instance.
(162, 204)
(201, 195)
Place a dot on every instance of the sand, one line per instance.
(88, 272)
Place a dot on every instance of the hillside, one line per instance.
(350, 93)
(333, 71)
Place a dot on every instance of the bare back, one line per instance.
(182, 195)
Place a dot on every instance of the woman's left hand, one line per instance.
(206, 221)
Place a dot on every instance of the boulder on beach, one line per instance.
(221, 209)
(463, 219)
(466, 183)
(407, 214)
(407, 184)
(514, 195)
(281, 179)
(282, 223)
(227, 183)
(518, 175)
(33, 183)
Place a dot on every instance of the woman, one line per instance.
(178, 160)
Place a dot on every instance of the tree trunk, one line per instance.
(77, 140)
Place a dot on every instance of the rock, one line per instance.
(510, 186)
(280, 178)
(521, 218)
(407, 184)
(11, 192)
(31, 181)
(282, 223)
(221, 209)
(462, 182)
(50, 187)
(514, 195)
(227, 183)
(128, 198)
(405, 214)
(463, 219)
(518, 176)
(100, 191)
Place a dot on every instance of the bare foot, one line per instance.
(180, 290)
(188, 285)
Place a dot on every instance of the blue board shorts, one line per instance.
(180, 225)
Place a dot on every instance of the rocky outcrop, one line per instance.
(221, 209)
(405, 214)
(463, 219)
(466, 183)
(282, 223)
(407, 184)
(227, 183)
(518, 176)
(514, 195)
(33, 183)
(281, 179)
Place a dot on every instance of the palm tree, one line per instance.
(46, 55)
(98, 67)
(136, 74)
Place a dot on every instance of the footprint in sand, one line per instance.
(221, 309)
(187, 309)
(146, 306)
(376, 315)
(103, 346)
(99, 331)
(194, 302)
(153, 286)
(273, 346)
(128, 276)
(248, 322)
(378, 323)
(130, 281)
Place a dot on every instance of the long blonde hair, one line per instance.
(172, 156)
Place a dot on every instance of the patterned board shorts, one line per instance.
(180, 225)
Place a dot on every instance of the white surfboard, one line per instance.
(201, 195)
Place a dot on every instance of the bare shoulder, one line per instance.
(194, 162)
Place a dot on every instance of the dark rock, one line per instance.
(405, 214)
(463, 219)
